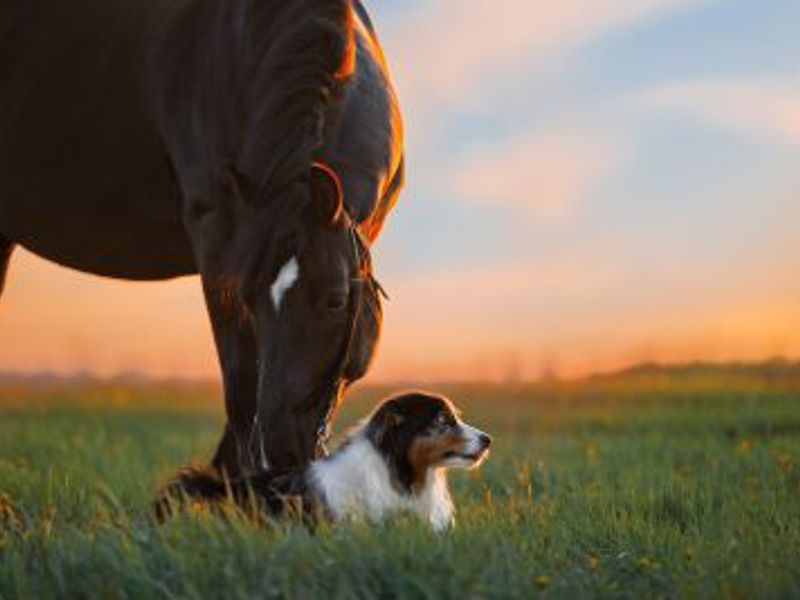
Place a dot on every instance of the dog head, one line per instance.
(418, 432)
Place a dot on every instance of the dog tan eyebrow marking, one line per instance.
(423, 454)
(286, 278)
(457, 412)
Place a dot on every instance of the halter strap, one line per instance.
(360, 253)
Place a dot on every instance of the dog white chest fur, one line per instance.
(356, 483)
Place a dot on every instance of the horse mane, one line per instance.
(243, 88)
(301, 52)
(294, 57)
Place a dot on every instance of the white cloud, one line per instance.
(447, 50)
(760, 108)
(543, 177)
(452, 55)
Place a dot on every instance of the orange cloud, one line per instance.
(55, 318)
(489, 322)
(570, 329)
(452, 321)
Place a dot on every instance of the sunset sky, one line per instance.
(590, 183)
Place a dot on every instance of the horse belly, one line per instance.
(100, 203)
(122, 246)
(99, 198)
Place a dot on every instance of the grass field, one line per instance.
(656, 484)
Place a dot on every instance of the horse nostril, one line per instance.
(485, 440)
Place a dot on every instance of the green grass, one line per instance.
(642, 486)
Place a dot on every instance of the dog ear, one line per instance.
(326, 193)
(390, 415)
(393, 419)
(383, 422)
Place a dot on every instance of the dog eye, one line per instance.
(444, 420)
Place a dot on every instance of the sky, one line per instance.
(590, 183)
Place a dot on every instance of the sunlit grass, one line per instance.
(634, 487)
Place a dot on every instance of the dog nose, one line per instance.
(485, 440)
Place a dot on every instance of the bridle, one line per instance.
(336, 381)
(364, 278)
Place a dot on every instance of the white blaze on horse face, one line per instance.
(286, 278)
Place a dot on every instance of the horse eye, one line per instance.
(336, 302)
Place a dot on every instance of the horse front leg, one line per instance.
(211, 232)
(6, 248)
(240, 449)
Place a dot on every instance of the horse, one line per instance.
(255, 143)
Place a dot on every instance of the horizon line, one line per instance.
(134, 377)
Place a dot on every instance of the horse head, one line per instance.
(305, 287)
(287, 274)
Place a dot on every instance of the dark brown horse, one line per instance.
(255, 142)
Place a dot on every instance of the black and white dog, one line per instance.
(395, 461)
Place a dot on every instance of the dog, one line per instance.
(394, 462)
